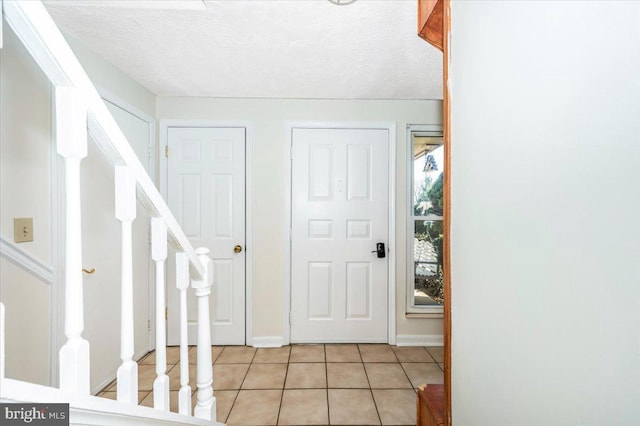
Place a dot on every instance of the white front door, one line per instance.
(206, 193)
(340, 208)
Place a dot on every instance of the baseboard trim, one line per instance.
(321, 340)
(25, 261)
(268, 342)
(420, 340)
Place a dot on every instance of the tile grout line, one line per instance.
(241, 383)
(418, 362)
(373, 396)
(432, 357)
(171, 367)
(234, 398)
(369, 382)
(326, 377)
(284, 384)
(405, 371)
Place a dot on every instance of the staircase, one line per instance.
(78, 110)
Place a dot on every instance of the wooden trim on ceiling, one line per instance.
(446, 117)
(430, 22)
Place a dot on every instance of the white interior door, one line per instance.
(138, 133)
(206, 193)
(340, 208)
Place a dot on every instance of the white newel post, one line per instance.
(206, 406)
(159, 255)
(71, 139)
(125, 185)
(182, 283)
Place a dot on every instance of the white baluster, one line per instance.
(1, 341)
(182, 283)
(206, 407)
(71, 138)
(126, 212)
(159, 255)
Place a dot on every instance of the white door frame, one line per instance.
(151, 121)
(427, 312)
(390, 126)
(163, 126)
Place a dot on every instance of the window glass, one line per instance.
(427, 217)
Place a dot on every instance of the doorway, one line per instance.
(206, 182)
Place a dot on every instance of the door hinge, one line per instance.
(290, 322)
(148, 325)
(166, 313)
(166, 151)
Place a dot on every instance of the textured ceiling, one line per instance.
(264, 48)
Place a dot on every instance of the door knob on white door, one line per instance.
(237, 248)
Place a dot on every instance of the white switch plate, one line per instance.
(22, 229)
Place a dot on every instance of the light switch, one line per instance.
(22, 229)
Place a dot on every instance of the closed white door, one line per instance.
(137, 132)
(340, 208)
(206, 193)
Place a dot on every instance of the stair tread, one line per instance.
(431, 405)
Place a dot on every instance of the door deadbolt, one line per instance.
(380, 251)
(237, 249)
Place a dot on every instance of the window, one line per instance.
(425, 229)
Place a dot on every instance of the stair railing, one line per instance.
(79, 109)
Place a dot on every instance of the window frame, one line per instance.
(430, 130)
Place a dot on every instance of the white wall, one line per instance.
(269, 117)
(107, 76)
(25, 97)
(545, 213)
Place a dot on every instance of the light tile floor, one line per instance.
(341, 384)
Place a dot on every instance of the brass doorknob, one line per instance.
(237, 249)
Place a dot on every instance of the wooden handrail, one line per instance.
(430, 14)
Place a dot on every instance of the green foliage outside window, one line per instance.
(429, 201)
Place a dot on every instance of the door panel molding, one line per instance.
(390, 127)
(247, 125)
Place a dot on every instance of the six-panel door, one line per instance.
(206, 194)
(340, 195)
